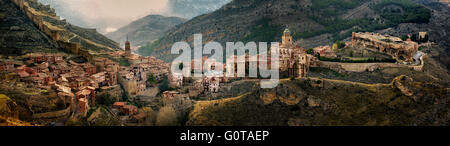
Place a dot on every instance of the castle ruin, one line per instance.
(402, 51)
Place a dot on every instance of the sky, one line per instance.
(107, 15)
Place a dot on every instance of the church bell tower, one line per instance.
(286, 38)
(127, 47)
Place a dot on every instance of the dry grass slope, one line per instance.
(316, 101)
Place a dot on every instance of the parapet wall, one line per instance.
(51, 115)
(364, 67)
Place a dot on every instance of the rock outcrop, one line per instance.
(8, 107)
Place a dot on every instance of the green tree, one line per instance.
(404, 37)
(340, 44)
(165, 84)
(105, 99)
(310, 51)
(151, 79)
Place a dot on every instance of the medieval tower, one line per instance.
(286, 38)
(127, 47)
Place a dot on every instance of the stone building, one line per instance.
(286, 49)
(24, 71)
(293, 59)
(134, 77)
(83, 106)
(125, 108)
(212, 80)
(402, 51)
(298, 64)
(6, 66)
(175, 80)
(89, 68)
(88, 94)
(324, 51)
(169, 94)
(47, 57)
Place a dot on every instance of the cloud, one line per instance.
(107, 15)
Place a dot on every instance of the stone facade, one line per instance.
(41, 57)
(83, 106)
(293, 58)
(325, 51)
(6, 66)
(69, 77)
(176, 80)
(127, 48)
(134, 77)
(125, 108)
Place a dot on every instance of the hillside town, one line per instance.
(90, 81)
(78, 83)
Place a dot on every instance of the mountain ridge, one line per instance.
(313, 23)
(146, 29)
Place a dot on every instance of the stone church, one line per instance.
(293, 59)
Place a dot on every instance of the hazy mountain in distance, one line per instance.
(145, 30)
(67, 13)
(191, 8)
(70, 10)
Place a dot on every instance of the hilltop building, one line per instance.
(293, 59)
(402, 51)
(133, 77)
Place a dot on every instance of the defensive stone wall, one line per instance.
(45, 19)
(56, 114)
(364, 67)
